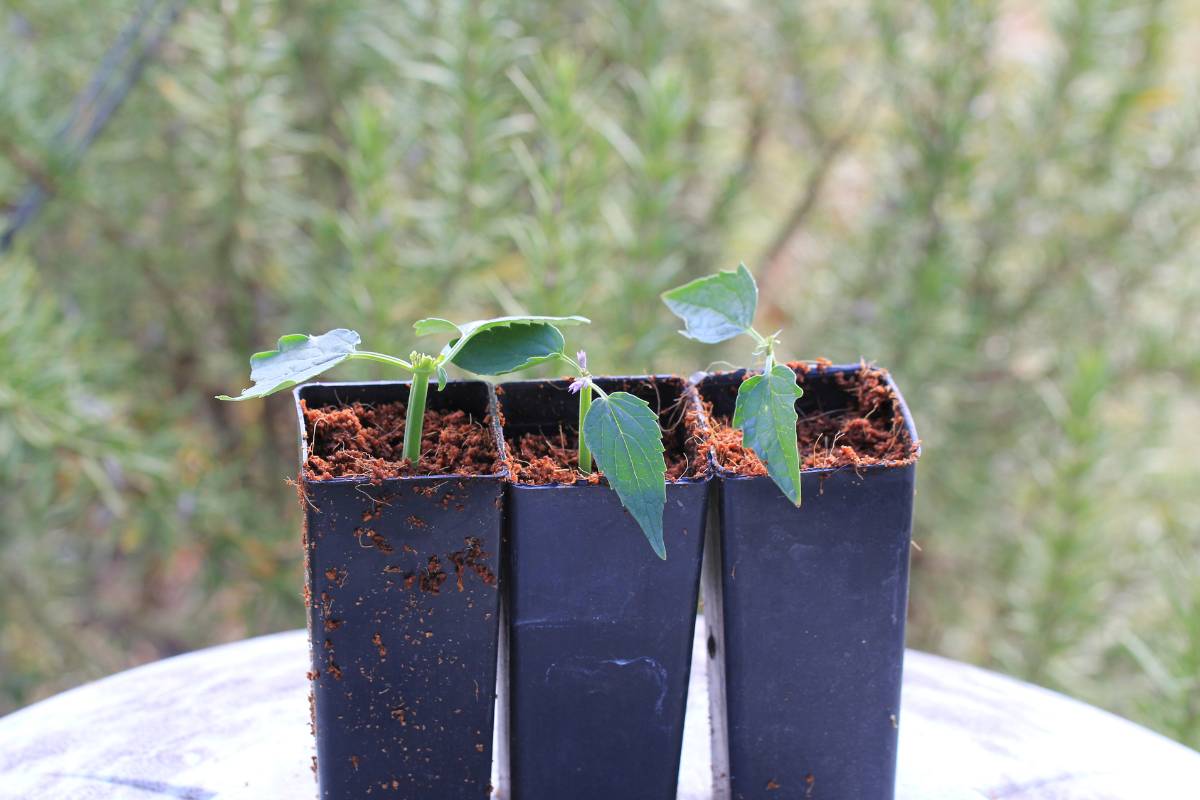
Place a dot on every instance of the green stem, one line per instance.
(367, 355)
(585, 453)
(768, 345)
(414, 422)
(585, 403)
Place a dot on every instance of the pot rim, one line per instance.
(823, 368)
(493, 425)
(687, 389)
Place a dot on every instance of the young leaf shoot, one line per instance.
(485, 347)
(621, 432)
(624, 435)
(719, 307)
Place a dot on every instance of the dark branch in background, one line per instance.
(117, 74)
(737, 180)
(826, 159)
(829, 151)
(24, 162)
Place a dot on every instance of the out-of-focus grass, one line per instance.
(998, 201)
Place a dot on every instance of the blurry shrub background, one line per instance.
(998, 201)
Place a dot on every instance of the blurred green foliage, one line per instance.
(998, 201)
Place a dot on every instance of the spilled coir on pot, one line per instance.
(543, 458)
(368, 440)
(868, 430)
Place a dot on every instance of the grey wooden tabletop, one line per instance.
(232, 722)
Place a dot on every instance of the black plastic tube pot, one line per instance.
(403, 617)
(805, 610)
(600, 629)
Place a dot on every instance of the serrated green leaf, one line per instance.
(716, 307)
(766, 414)
(432, 325)
(623, 434)
(297, 358)
(469, 331)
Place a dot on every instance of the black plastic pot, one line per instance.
(600, 628)
(805, 610)
(403, 617)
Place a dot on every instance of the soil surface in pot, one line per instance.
(543, 458)
(868, 430)
(368, 440)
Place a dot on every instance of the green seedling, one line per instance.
(621, 432)
(618, 430)
(720, 307)
(485, 347)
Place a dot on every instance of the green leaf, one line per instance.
(497, 351)
(432, 325)
(530, 340)
(623, 434)
(717, 307)
(297, 358)
(766, 413)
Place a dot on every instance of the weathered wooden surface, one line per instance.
(232, 722)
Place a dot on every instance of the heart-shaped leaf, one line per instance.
(297, 358)
(716, 307)
(432, 325)
(527, 341)
(509, 348)
(766, 413)
(623, 434)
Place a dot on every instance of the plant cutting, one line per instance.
(495, 346)
(619, 430)
(720, 307)
(804, 606)
(600, 629)
(402, 492)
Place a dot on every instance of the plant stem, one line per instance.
(585, 403)
(585, 453)
(767, 344)
(367, 355)
(414, 421)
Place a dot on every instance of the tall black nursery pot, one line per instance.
(403, 617)
(600, 629)
(805, 610)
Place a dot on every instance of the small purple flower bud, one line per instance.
(581, 357)
(576, 385)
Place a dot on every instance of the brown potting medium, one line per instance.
(869, 429)
(546, 458)
(368, 440)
